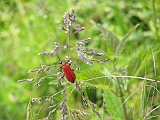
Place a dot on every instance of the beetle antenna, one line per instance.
(58, 57)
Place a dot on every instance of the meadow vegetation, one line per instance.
(113, 47)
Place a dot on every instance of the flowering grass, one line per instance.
(113, 49)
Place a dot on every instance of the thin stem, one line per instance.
(154, 63)
(122, 97)
(135, 77)
(122, 100)
(151, 111)
(69, 35)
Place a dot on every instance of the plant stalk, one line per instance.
(121, 96)
(122, 100)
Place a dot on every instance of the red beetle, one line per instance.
(69, 73)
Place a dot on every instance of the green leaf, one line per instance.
(142, 61)
(113, 105)
(112, 40)
(122, 43)
(114, 45)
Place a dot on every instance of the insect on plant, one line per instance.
(69, 73)
(85, 54)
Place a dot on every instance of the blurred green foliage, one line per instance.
(28, 27)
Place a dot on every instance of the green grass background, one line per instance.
(28, 27)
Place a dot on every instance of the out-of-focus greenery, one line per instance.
(28, 27)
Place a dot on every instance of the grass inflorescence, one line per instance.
(113, 92)
(83, 53)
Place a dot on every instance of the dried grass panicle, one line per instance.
(94, 109)
(93, 52)
(47, 68)
(38, 100)
(47, 99)
(78, 29)
(49, 114)
(82, 52)
(66, 46)
(41, 79)
(82, 55)
(43, 68)
(84, 99)
(102, 61)
(62, 27)
(97, 113)
(68, 20)
(72, 114)
(39, 71)
(57, 47)
(34, 99)
(39, 82)
(82, 42)
(78, 68)
(72, 15)
(63, 105)
(60, 80)
(78, 85)
(59, 74)
(85, 102)
(75, 114)
(31, 71)
(82, 112)
(21, 80)
(52, 106)
(68, 58)
(30, 80)
(91, 87)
